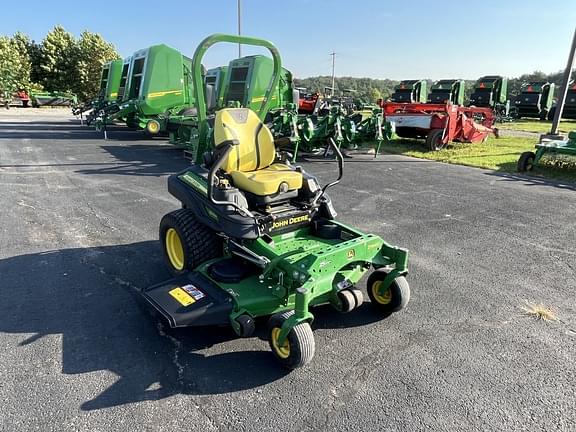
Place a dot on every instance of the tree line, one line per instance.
(60, 62)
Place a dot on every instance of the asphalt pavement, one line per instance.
(79, 219)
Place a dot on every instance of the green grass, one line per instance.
(496, 154)
(538, 126)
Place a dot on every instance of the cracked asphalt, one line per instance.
(79, 353)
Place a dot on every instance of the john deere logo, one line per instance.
(282, 223)
(351, 253)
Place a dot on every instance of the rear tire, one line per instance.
(526, 162)
(299, 347)
(186, 243)
(434, 140)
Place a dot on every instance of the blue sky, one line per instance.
(372, 38)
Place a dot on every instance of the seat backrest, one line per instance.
(256, 149)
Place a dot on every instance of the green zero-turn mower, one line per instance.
(257, 236)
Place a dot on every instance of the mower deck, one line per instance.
(220, 290)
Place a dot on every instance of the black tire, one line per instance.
(247, 325)
(526, 162)
(434, 140)
(188, 112)
(347, 301)
(543, 115)
(300, 347)
(397, 296)
(198, 243)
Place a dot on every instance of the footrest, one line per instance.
(190, 300)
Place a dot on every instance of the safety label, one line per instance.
(194, 292)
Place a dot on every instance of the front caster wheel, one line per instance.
(394, 298)
(298, 348)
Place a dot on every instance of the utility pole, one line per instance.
(564, 89)
(333, 54)
(239, 8)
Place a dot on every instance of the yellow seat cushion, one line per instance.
(267, 181)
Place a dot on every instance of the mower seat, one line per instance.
(251, 163)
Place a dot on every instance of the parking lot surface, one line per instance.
(79, 219)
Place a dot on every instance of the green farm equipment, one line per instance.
(554, 150)
(154, 80)
(107, 93)
(569, 111)
(243, 83)
(247, 81)
(257, 236)
(410, 91)
(492, 92)
(448, 90)
(217, 78)
(45, 98)
(535, 100)
(110, 80)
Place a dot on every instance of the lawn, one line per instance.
(496, 154)
(533, 125)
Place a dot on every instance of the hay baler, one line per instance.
(535, 100)
(569, 111)
(410, 91)
(108, 92)
(154, 80)
(447, 91)
(491, 92)
(243, 83)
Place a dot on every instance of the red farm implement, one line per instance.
(440, 124)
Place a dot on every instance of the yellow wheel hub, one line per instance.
(174, 249)
(283, 350)
(384, 298)
(153, 126)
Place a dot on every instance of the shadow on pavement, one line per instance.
(533, 180)
(141, 160)
(89, 297)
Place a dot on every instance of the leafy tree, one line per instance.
(364, 88)
(93, 52)
(375, 94)
(20, 43)
(14, 64)
(36, 71)
(58, 59)
(8, 63)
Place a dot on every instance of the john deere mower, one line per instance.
(257, 236)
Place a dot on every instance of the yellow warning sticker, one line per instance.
(182, 296)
